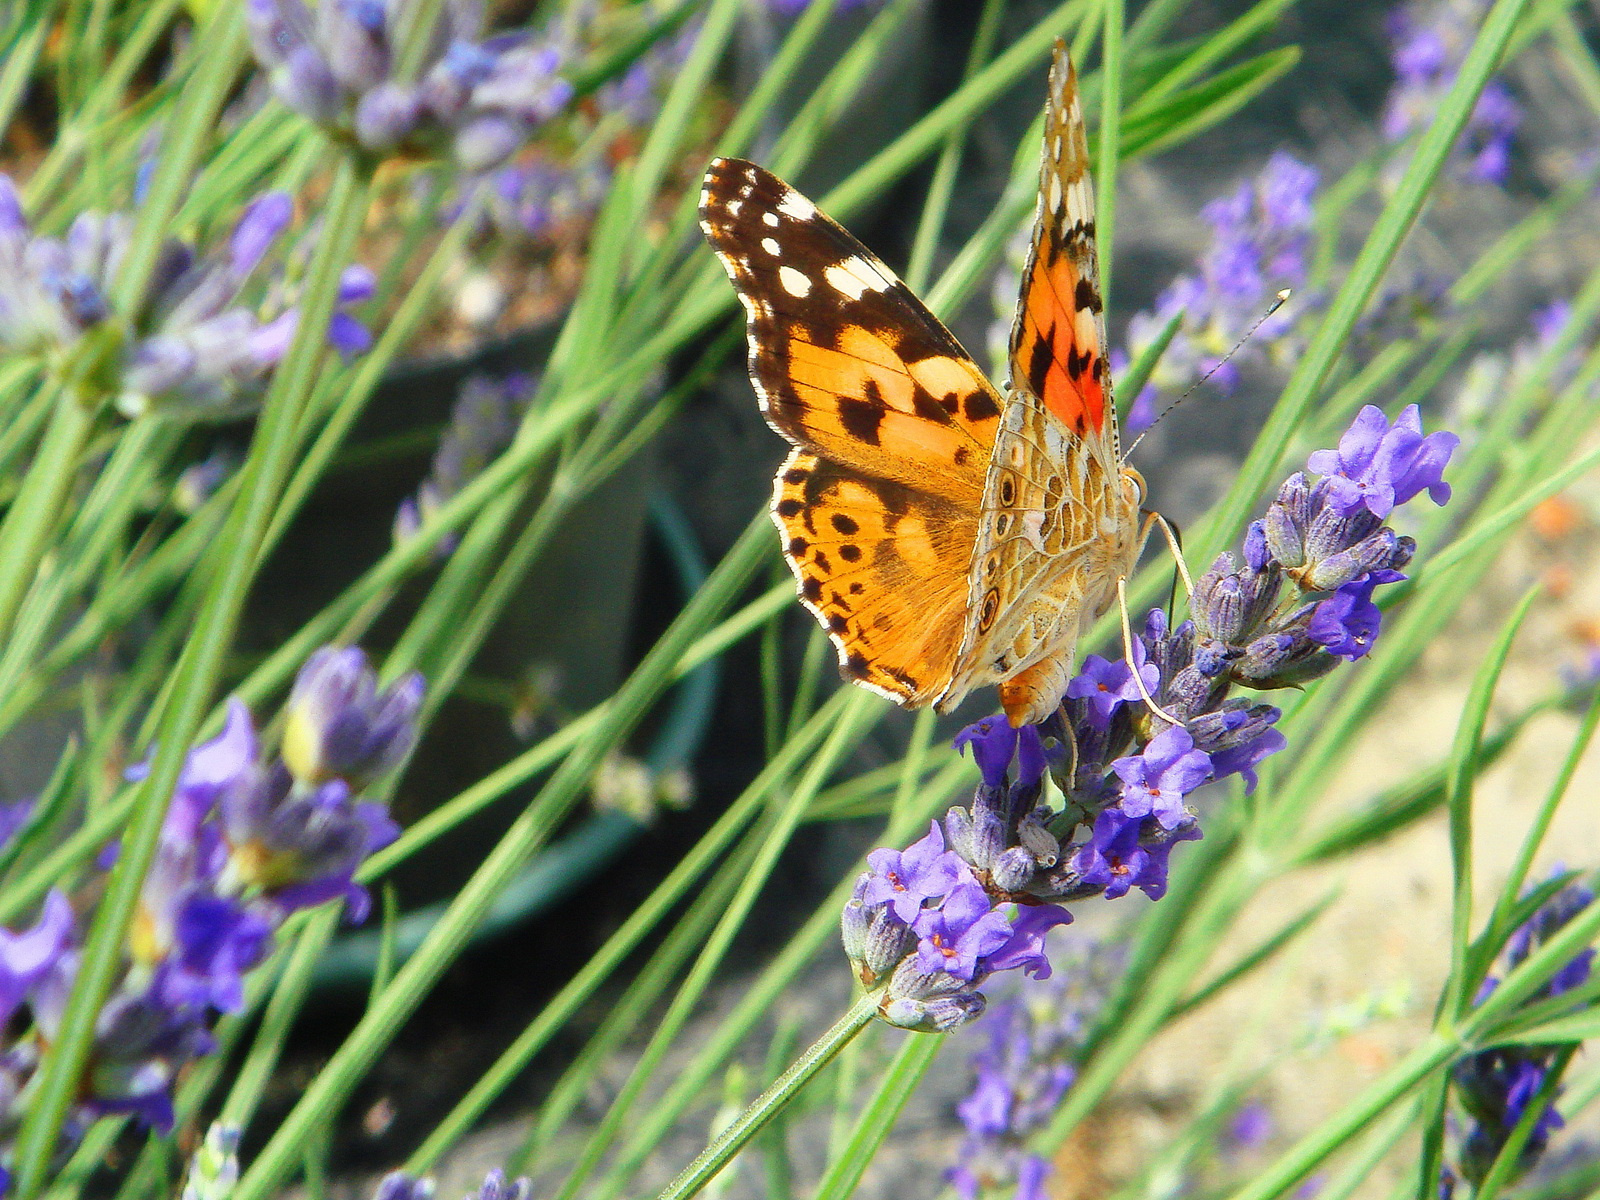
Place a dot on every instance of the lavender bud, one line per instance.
(1040, 843)
(1283, 537)
(340, 726)
(487, 141)
(1404, 548)
(273, 35)
(264, 219)
(1012, 869)
(958, 833)
(306, 85)
(158, 365)
(387, 115)
(1211, 657)
(855, 920)
(1331, 532)
(355, 36)
(1256, 554)
(1282, 660)
(1367, 555)
(934, 1016)
(1221, 611)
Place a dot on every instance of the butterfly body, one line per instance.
(946, 534)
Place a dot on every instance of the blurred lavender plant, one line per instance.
(398, 1185)
(1260, 242)
(248, 839)
(481, 426)
(931, 924)
(477, 99)
(1496, 1086)
(1022, 1070)
(192, 343)
(1430, 40)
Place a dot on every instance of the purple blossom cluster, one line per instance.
(1429, 41)
(478, 99)
(978, 895)
(248, 839)
(481, 425)
(205, 335)
(1496, 1086)
(1260, 244)
(1022, 1069)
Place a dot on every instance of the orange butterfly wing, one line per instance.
(1058, 343)
(892, 421)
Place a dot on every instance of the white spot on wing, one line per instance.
(797, 206)
(734, 206)
(770, 219)
(796, 284)
(854, 277)
(770, 245)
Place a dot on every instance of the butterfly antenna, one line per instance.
(1278, 302)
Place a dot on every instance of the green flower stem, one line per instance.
(188, 697)
(858, 712)
(252, 1075)
(31, 521)
(937, 202)
(820, 932)
(397, 1001)
(910, 1064)
(221, 52)
(111, 83)
(636, 1008)
(818, 1055)
(16, 71)
(1110, 137)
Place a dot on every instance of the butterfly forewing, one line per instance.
(892, 423)
(848, 363)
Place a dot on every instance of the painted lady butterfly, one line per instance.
(944, 535)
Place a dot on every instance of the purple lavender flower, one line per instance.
(1348, 622)
(903, 881)
(1155, 782)
(1024, 1064)
(1260, 241)
(995, 743)
(1109, 685)
(200, 339)
(1130, 852)
(1430, 41)
(1379, 467)
(482, 99)
(481, 426)
(965, 928)
(341, 726)
(1496, 1086)
(27, 957)
(1023, 948)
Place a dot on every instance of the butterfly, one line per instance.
(946, 534)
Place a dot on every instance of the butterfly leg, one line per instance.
(1127, 649)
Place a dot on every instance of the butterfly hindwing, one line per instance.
(847, 362)
(872, 559)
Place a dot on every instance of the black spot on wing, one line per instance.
(1085, 296)
(861, 418)
(1039, 360)
(980, 406)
